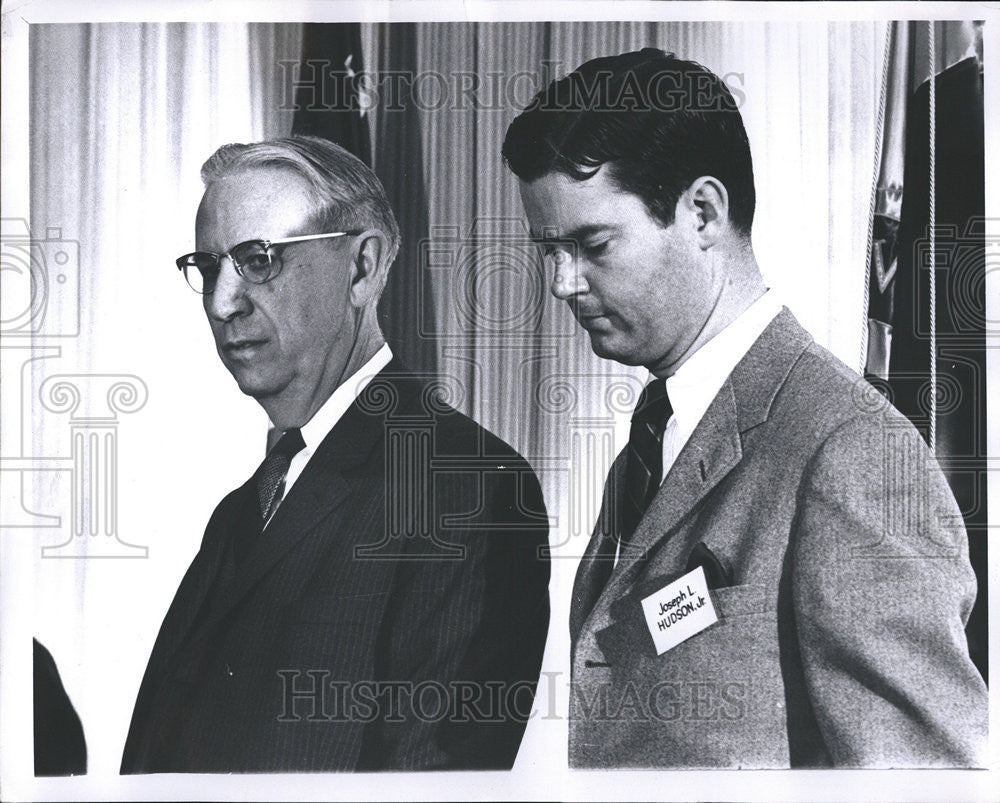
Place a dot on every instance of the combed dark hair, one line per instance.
(657, 121)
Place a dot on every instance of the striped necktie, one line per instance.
(644, 458)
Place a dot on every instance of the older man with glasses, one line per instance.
(375, 595)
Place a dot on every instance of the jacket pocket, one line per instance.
(735, 601)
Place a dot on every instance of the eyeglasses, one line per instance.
(254, 260)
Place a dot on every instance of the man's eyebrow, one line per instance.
(552, 235)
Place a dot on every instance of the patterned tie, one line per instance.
(269, 480)
(644, 458)
(270, 477)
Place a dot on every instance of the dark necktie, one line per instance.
(644, 459)
(270, 477)
(643, 470)
(269, 483)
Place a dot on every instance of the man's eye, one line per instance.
(596, 249)
(258, 262)
(257, 266)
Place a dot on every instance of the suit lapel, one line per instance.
(181, 617)
(709, 455)
(330, 478)
(596, 564)
(714, 449)
(197, 583)
(711, 452)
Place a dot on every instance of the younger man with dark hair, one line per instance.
(761, 474)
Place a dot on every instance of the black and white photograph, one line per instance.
(424, 401)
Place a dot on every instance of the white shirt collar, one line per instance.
(697, 382)
(333, 409)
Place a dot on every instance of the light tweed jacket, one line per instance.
(846, 587)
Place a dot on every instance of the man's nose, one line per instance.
(567, 279)
(229, 299)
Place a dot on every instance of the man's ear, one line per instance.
(369, 267)
(710, 200)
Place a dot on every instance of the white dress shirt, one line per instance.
(332, 410)
(698, 381)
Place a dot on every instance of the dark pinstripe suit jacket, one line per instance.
(392, 616)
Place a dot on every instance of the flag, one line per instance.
(901, 262)
(328, 97)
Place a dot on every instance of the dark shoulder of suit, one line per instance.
(401, 579)
(60, 748)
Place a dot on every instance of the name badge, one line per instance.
(679, 610)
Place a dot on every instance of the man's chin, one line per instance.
(254, 385)
(606, 348)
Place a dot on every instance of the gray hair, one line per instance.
(348, 195)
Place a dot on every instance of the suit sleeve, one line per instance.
(465, 638)
(882, 588)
